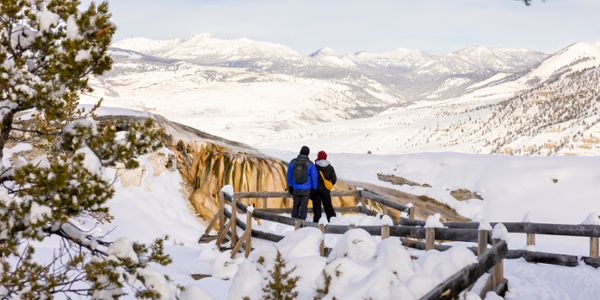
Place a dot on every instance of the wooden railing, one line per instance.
(412, 233)
(490, 258)
(531, 230)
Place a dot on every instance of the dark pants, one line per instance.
(300, 208)
(318, 198)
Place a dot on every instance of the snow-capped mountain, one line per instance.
(407, 73)
(403, 100)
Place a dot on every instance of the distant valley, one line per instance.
(475, 100)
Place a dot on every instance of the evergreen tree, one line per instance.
(281, 285)
(48, 50)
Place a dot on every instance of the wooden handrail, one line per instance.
(461, 280)
(413, 229)
(525, 227)
(242, 195)
(382, 200)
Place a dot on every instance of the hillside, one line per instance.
(399, 101)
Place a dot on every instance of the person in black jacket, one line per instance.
(327, 178)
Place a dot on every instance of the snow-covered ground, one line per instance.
(152, 203)
(527, 281)
(511, 186)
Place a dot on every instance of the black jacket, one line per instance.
(328, 172)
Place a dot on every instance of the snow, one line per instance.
(225, 266)
(91, 162)
(386, 220)
(47, 19)
(122, 248)
(360, 266)
(83, 122)
(356, 244)
(542, 281)
(302, 242)
(500, 232)
(323, 220)
(194, 293)
(485, 225)
(83, 55)
(527, 217)
(390, 254)
(148, 206)
(38, 212)
(492, 296)
(246, 283)
(157, 282)
(7, 153)
(592, 219)
(433, 221)
(249, 91)
(227, 189)
(72, 28)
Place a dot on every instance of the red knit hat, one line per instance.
(321, 155)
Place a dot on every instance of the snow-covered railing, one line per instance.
(591, 231)
(490, 259)
(411, 231)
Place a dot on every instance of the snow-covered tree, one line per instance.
(48, 50)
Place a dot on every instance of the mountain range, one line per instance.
(270, 95)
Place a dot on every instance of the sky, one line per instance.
(348, 26)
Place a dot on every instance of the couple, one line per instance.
(305, 181)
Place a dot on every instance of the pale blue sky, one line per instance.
(371, 25)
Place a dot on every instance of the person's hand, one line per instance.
(290, 190)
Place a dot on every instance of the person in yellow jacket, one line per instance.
(322, 195)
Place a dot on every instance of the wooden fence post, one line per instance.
(264, 202)
(248, 232)
(498, 270)
(360, 197)
(233, 221)
(594, 247)
(385, 232)
(221, 210)
(297, 224)
(482, 241)
(530, 240)
(429, 238)
(322, 245)
(410, 210)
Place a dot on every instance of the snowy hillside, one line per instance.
(393, 102)
(553, 114)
